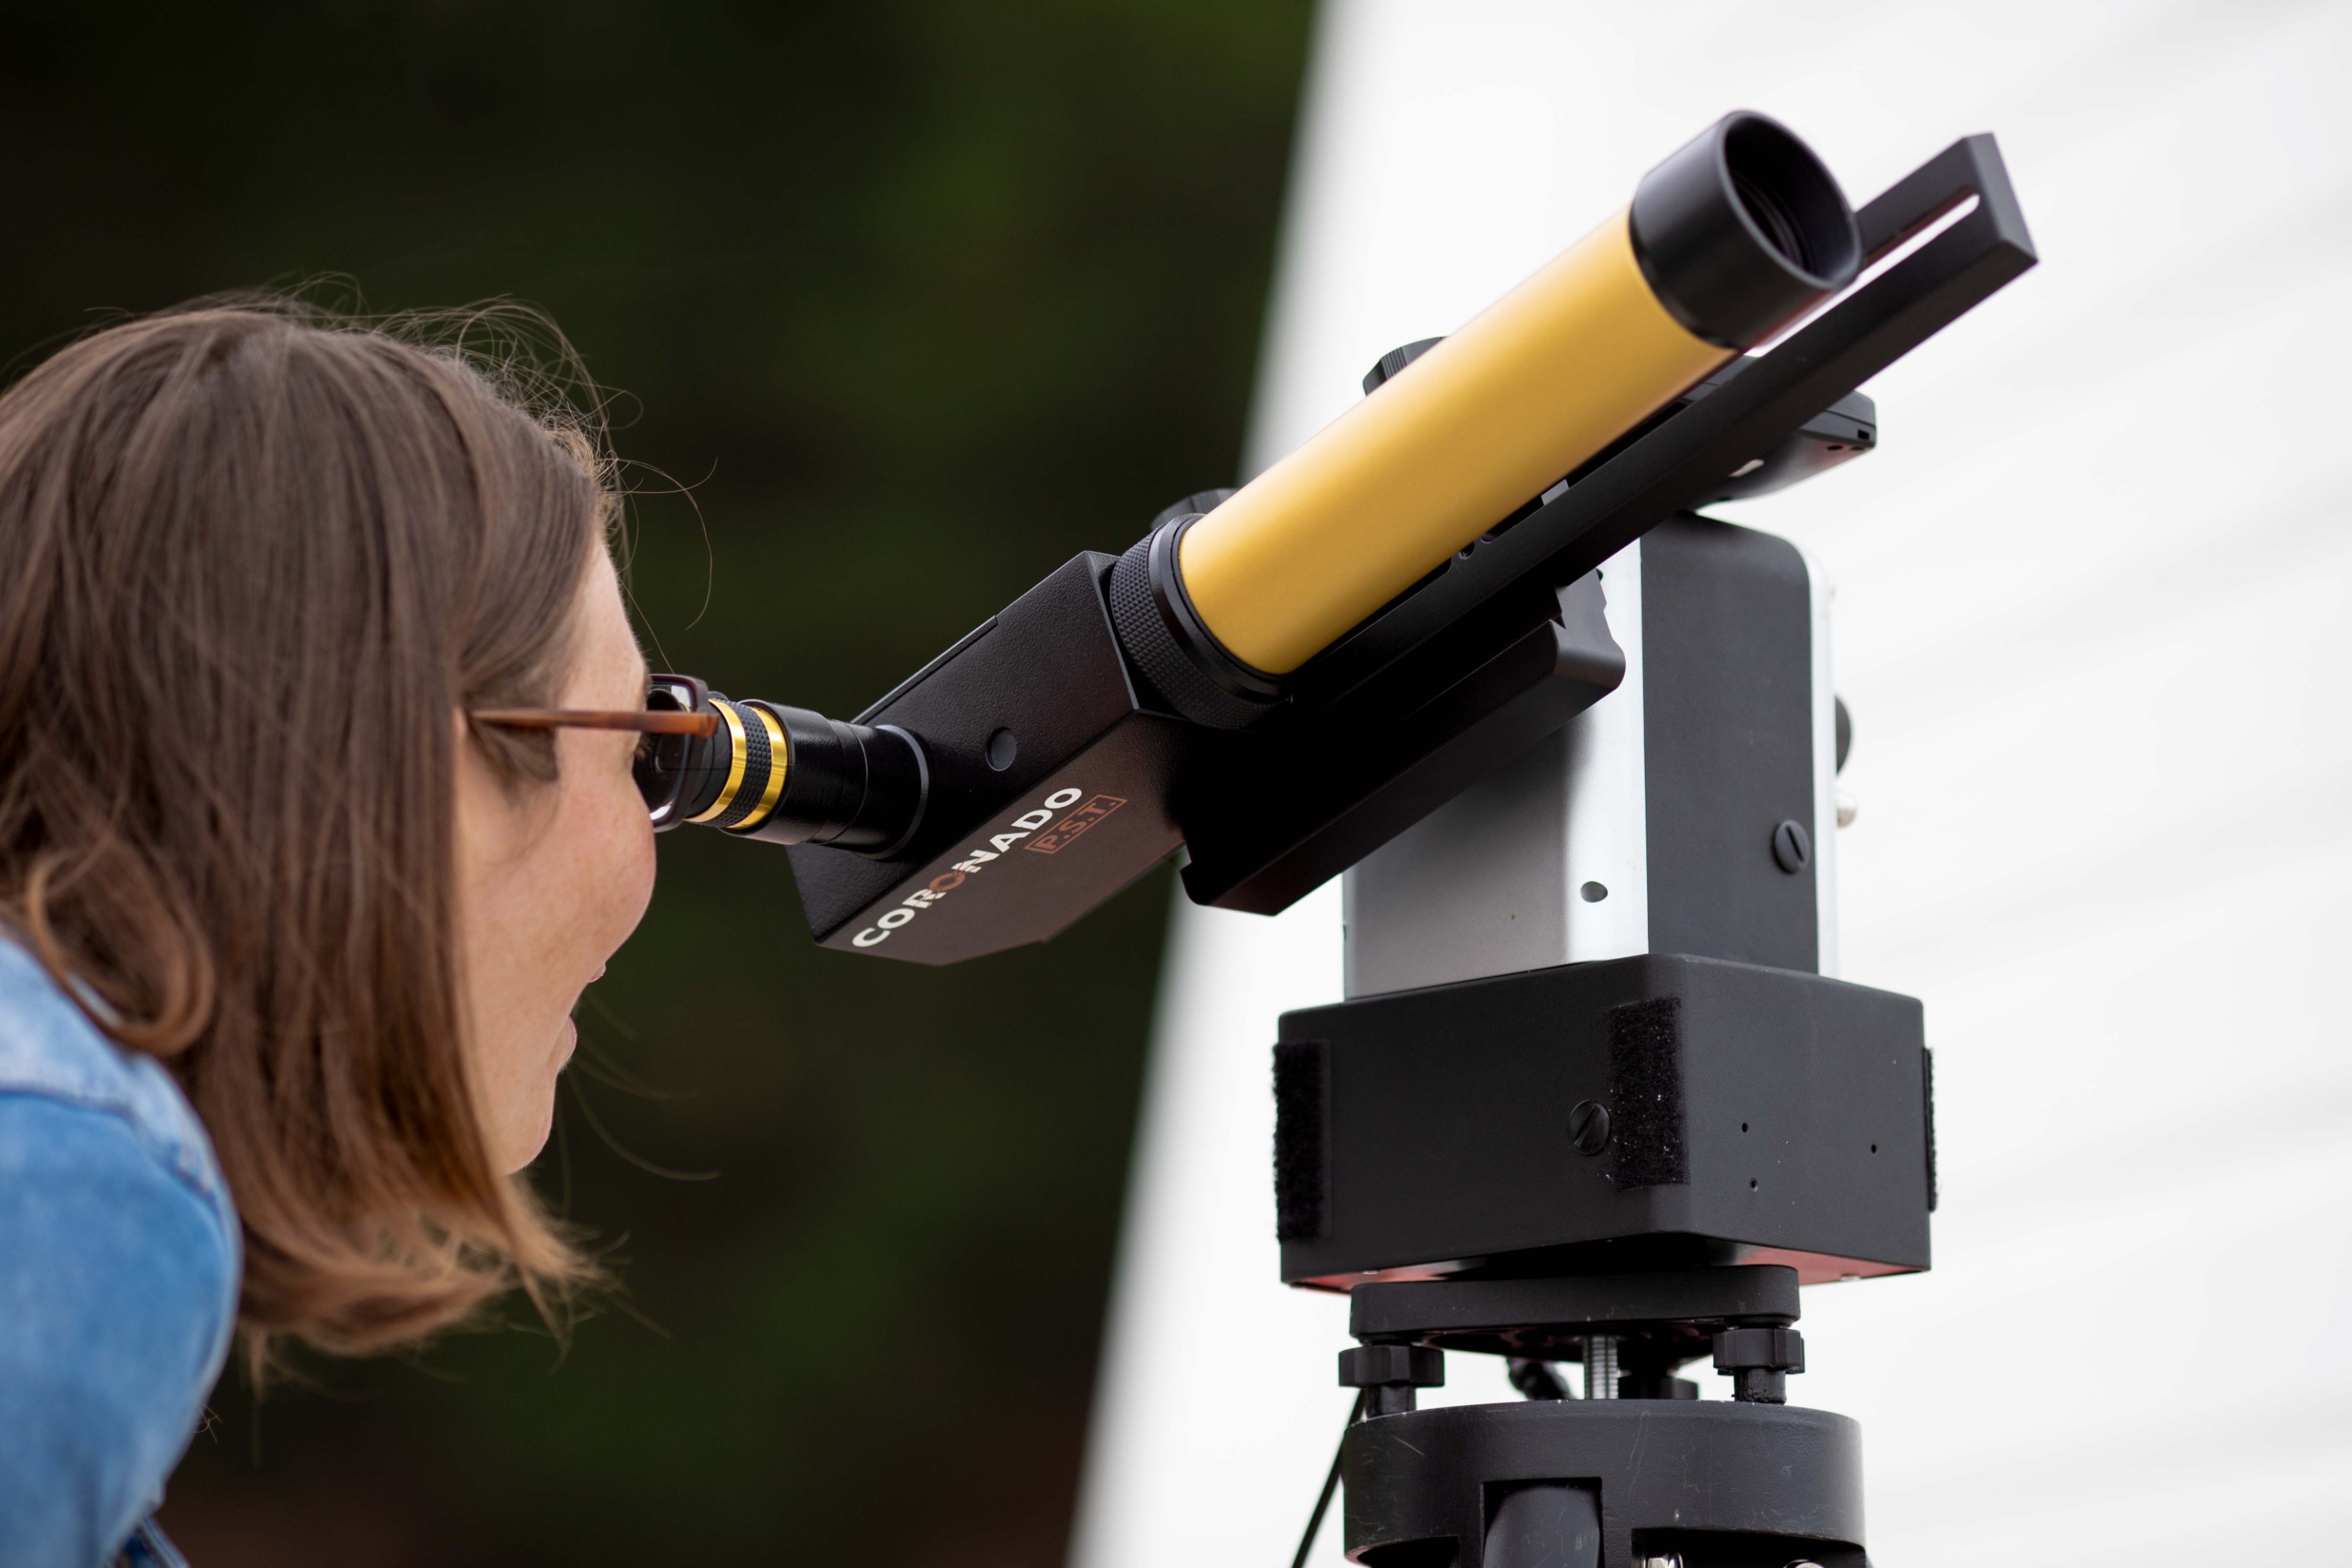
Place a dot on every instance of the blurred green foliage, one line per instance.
(908, 302)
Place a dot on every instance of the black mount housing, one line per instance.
(1754, 1115)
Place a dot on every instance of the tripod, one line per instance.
(1626, 1134)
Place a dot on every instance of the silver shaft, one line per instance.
(1600, 1366)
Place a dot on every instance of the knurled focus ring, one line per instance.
(772, 787)
(1149, 620)
(758, 775)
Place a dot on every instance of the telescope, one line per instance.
(1594, 1095)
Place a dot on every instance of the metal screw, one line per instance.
(1587, 1127)
(1792, 846)
(1846, 809)
(1659, 1560)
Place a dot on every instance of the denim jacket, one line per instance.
(117, 1283)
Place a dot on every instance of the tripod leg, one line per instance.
(1545, 1524)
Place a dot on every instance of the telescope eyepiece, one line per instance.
(782, 773)
(1742, 230)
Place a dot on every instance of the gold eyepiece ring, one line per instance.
(734, 767)
(779, 759)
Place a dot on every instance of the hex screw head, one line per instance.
(1587, 1127)
(1376, 1366)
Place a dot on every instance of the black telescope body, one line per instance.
(1101, 721)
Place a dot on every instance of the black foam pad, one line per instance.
(1298, 1143)
(1645, 1092)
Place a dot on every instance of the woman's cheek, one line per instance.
(628, 844)
(610, 847)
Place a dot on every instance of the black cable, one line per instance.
(1535, 1379)
(1330, 1485)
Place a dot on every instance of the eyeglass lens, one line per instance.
(660, 765)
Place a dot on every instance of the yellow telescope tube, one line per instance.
(1539, 381)
(1728, 239)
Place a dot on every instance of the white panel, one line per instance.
(1495, 881)
(1609, 811)
(2095, 621)
(1825, 785)
(1473, 889)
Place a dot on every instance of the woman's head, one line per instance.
(260, 566)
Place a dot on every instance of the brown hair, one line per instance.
(257, 558)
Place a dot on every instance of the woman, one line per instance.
(290, 935)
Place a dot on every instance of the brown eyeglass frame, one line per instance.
(643, 720)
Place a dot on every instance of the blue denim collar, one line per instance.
(48, 1046)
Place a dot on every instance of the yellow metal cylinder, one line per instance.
(1535, 384)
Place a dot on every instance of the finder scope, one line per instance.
(1281, 679)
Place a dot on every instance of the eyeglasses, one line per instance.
(677, 710)
(645, 722)
(757, 768)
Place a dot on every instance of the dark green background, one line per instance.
(918, 300)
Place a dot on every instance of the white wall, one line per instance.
(2094, 627)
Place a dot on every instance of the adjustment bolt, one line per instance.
(1759, 1362)
(1388, 1373)
(1587, 1127)
(1371, 1366)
